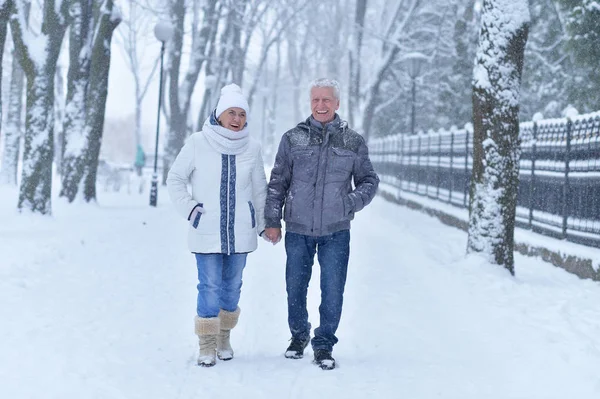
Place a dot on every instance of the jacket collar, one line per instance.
(337, 124)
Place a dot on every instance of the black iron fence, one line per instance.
(559, 187)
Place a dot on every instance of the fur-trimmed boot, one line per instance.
(207, 330)
(228, 322)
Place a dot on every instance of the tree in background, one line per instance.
(412, 26)
(210, 70)
(548, 72)
(178, 88)
(135, 33)
(583, 44)
(86, 97)
(354, 59)
(285, 14)
(496, 86)
(81, 36)
(394, 30)
(298, 47)
(453, 105)
(39, 66)
(109, 18)
(59, 115)
(5, 8)
(11, 133)
(13, 125)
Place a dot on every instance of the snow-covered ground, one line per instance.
(98, 301)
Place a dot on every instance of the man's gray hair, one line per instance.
(324, 82)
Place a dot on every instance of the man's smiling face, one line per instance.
(323, 104)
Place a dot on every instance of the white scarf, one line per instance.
(226, 141)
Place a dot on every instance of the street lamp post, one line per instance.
(414, 62)
(163, 32)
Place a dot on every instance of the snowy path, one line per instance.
(98, 302)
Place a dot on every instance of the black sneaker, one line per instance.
(324, 359)
(296, 348)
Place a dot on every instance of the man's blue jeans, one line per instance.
(219, 282)
(332, 252)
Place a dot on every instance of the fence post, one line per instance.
(401, 176)
(418, 164)
(386, 158)
(466, 188)
(451, 166)
(428, 165)
(566, 188)
(532, 182)
(439, 166)
(409, 164)
(395, 157)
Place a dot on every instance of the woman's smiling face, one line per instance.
(233, 119)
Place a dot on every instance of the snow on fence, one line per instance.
(559, 187)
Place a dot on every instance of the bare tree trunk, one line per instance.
(271, 38)
(180, 95)
(5, 9)
(355, 61)
(253, 11)
(223, 68)
(297, 67)
(137, 26)
(109, 19)
(138, 116)
(91, 35)
(59, 117)
(209, 71)
(75, 127)
(14, 124)
(496, 147)
(38, 153)
(269, 143)
(455, 86)
(336, 51)
(373, 94)
(389, 52)
(176, 132)
(237, 57)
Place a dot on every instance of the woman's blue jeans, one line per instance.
(219, 282)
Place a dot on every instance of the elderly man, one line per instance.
(315, 166)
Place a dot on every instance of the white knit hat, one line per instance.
(232, 96)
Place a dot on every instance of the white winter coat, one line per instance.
(231, 188)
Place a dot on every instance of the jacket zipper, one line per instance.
(323, 147)
(228, 208)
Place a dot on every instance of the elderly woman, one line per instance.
(225, 212)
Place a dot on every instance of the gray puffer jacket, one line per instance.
(313, 174)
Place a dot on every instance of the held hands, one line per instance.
(195, 215)
(272, 234)
(264, 236)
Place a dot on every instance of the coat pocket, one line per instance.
(341, 163)
(252, 214)
(196, 220)
(304, 163)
